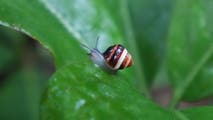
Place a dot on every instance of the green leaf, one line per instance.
(71, 95)
(191, 50)
(199, 113)
(79, 90)
(61, 26)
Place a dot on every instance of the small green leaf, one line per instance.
(191, 50)
(199, 113)
(95, 95)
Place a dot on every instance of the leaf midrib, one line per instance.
(180, 115)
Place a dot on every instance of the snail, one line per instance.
(116, 57)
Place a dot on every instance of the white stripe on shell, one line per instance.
(121, 59)
(129, 59)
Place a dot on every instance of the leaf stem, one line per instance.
(180, 115)
(178, 93)
(140, 80)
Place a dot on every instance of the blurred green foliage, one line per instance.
(24, 70)
(190, 50)
(169, 34)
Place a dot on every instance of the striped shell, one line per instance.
(117, 57)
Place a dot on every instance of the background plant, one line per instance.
(170, 36)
